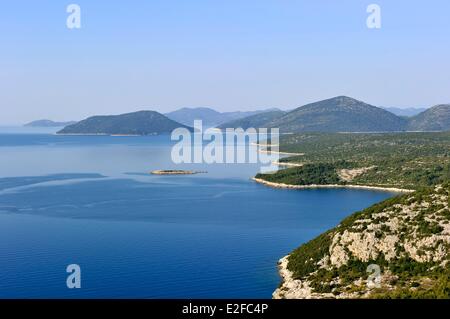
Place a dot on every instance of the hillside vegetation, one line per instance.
(407, 238)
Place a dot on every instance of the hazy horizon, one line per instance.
(229, 56)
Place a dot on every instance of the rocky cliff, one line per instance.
(398, 248)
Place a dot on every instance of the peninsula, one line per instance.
(405, 239)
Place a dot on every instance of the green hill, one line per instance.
(255, 121)
(436, 118)
(339, 114)
(137, 123)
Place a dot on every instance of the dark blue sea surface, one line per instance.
(89, 200)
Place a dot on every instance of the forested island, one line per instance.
(136, 123)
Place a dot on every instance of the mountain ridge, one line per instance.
(337, 114)
(346, 114)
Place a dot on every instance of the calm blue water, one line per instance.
(90, 201)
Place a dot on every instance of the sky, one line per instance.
(226, 54)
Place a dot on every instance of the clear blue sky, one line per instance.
(226, 54)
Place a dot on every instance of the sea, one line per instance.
(91, 201)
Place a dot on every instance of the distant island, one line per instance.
(48, 123)
(176, 172)
(136, 123)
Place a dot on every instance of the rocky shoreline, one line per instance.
(291, 288)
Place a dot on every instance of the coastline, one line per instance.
(286, 278)
(278, 163)
(313, 186)
(291, 288)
